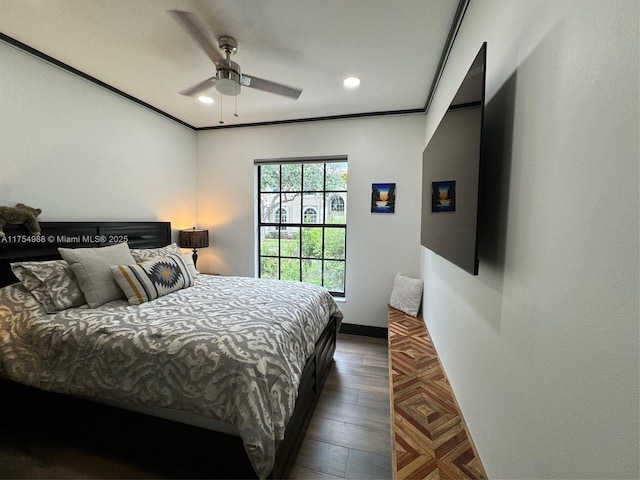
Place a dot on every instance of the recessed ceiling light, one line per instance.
(206, 100)
(351, 82)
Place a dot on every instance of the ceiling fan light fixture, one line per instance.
(205, 99)
(228, 79)
(226, 86)
(352, 82)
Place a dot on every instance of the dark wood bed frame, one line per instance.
(18, 245)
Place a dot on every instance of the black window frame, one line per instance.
(292, 226)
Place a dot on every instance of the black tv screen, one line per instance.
(451, 174)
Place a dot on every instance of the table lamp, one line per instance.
(194, 238)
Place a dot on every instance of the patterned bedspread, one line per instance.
(228, 348)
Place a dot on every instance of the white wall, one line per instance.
(542, 347)
(385, 149)
(80, 152)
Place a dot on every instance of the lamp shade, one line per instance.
(194, 238)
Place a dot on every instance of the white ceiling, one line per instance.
(394, 46)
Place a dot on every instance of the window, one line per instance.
(337, 204)
(280, 215)
(302, 220)
(310, 215)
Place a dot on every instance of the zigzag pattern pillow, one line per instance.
(151, 279)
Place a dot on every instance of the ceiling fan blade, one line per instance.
(199, 87)
(188, 21)
(269, 86)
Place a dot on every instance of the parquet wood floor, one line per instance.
(430, 437)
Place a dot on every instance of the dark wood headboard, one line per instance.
(18, 245)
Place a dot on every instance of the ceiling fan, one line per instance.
(228, 78)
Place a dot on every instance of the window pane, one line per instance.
(269, 207)
(334, 242)
(334, 276)
(269, 241)
(313, 177)
(336, 176)
(312, 242)
(292, 203)
(269, 267)
(313, 201)
(290, 242)
(336, 208)
(292, 177)
(270, 178)
(290, 269)
(312, 271)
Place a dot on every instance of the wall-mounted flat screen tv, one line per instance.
(451, 174)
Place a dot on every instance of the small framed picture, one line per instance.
(383, 197)
(443, 196)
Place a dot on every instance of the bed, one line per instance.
(268, 344)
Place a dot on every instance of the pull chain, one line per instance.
(220, 121)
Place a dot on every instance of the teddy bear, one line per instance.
(21, 213)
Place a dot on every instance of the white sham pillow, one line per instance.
(91, 268)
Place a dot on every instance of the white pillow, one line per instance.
(91, 268)
(188, 260)
(406, 294)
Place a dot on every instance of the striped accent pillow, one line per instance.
(151, 279)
